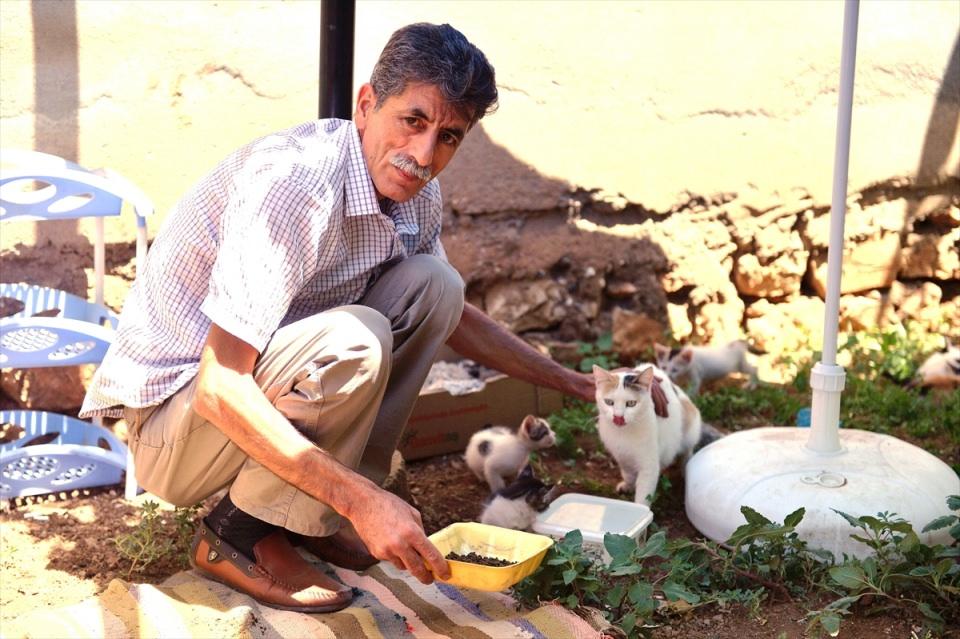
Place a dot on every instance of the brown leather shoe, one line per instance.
(339, 549)
(279, 578)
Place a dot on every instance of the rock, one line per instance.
(937, 208)
(932, 255)
(776, 265)
(755, 202)
(861, 312)
(589, 292)
(885, 218)
(620, 290)
(634, 333)
(919, 303)
(526, 305)
(701, 254)
(58, 388)
(787, 327)
(868, 264)
(564, 352)
(715, 314)
(680, 326)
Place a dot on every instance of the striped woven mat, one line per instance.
(388, 604)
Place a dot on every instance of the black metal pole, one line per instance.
(336, 58)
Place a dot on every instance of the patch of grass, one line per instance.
(728, 406)
(878, 363)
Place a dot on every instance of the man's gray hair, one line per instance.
(441, 56)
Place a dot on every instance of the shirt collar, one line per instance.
(360, 196)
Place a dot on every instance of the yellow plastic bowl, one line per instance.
(525, 550)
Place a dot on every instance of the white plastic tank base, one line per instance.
(773, 471)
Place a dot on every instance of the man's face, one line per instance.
(409, 139)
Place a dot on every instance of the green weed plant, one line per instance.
(155, 539)
(598, 353)
(645, 584)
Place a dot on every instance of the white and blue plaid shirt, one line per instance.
(283, 228)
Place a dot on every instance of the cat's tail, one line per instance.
(708, 434)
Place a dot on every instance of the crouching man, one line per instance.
(286, 317)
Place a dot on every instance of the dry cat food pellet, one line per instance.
(474, 558)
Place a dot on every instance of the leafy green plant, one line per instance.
(658, 577)
(599, 352)
(152, 539)
(893, 352)
(574, 418)
(644, 584)
(902, 571)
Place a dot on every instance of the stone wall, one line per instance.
(733, 265)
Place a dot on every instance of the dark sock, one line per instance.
(241, 530)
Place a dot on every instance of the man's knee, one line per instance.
(373, 333)
(439, 282)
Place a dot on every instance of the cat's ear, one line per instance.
(660, 350)
(528, 423)
(602, 374)
(645, 378)
(686, 354)
(526, 473)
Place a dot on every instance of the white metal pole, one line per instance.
(827, 379)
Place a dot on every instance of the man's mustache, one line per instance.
(407, 164)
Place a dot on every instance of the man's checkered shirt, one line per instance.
(284, 228)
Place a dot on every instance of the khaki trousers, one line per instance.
(346, 378)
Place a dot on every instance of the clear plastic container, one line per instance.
(594, 516)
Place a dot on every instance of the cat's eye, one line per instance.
(608, 402)
(631, 403)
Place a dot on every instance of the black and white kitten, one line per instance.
(517, 505)
(496, 454)
(940, 370)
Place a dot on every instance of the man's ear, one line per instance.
(366, 103)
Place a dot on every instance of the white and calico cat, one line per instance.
(642, 442)
(496, 453)
(940, 370)
(517, 505)
(705, 363)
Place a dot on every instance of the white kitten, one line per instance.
(705, 363)
(642, 442)
(940, 370)
(496, 453)
(517, 505)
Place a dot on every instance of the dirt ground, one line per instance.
(59, 551)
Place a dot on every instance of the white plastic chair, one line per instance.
(54, 328)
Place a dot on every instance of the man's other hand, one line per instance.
(393, 531)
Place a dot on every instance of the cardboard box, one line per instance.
(443, 423)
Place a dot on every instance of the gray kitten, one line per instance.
(704, 363)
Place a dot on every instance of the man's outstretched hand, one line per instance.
(392, 530)
(659, 398)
